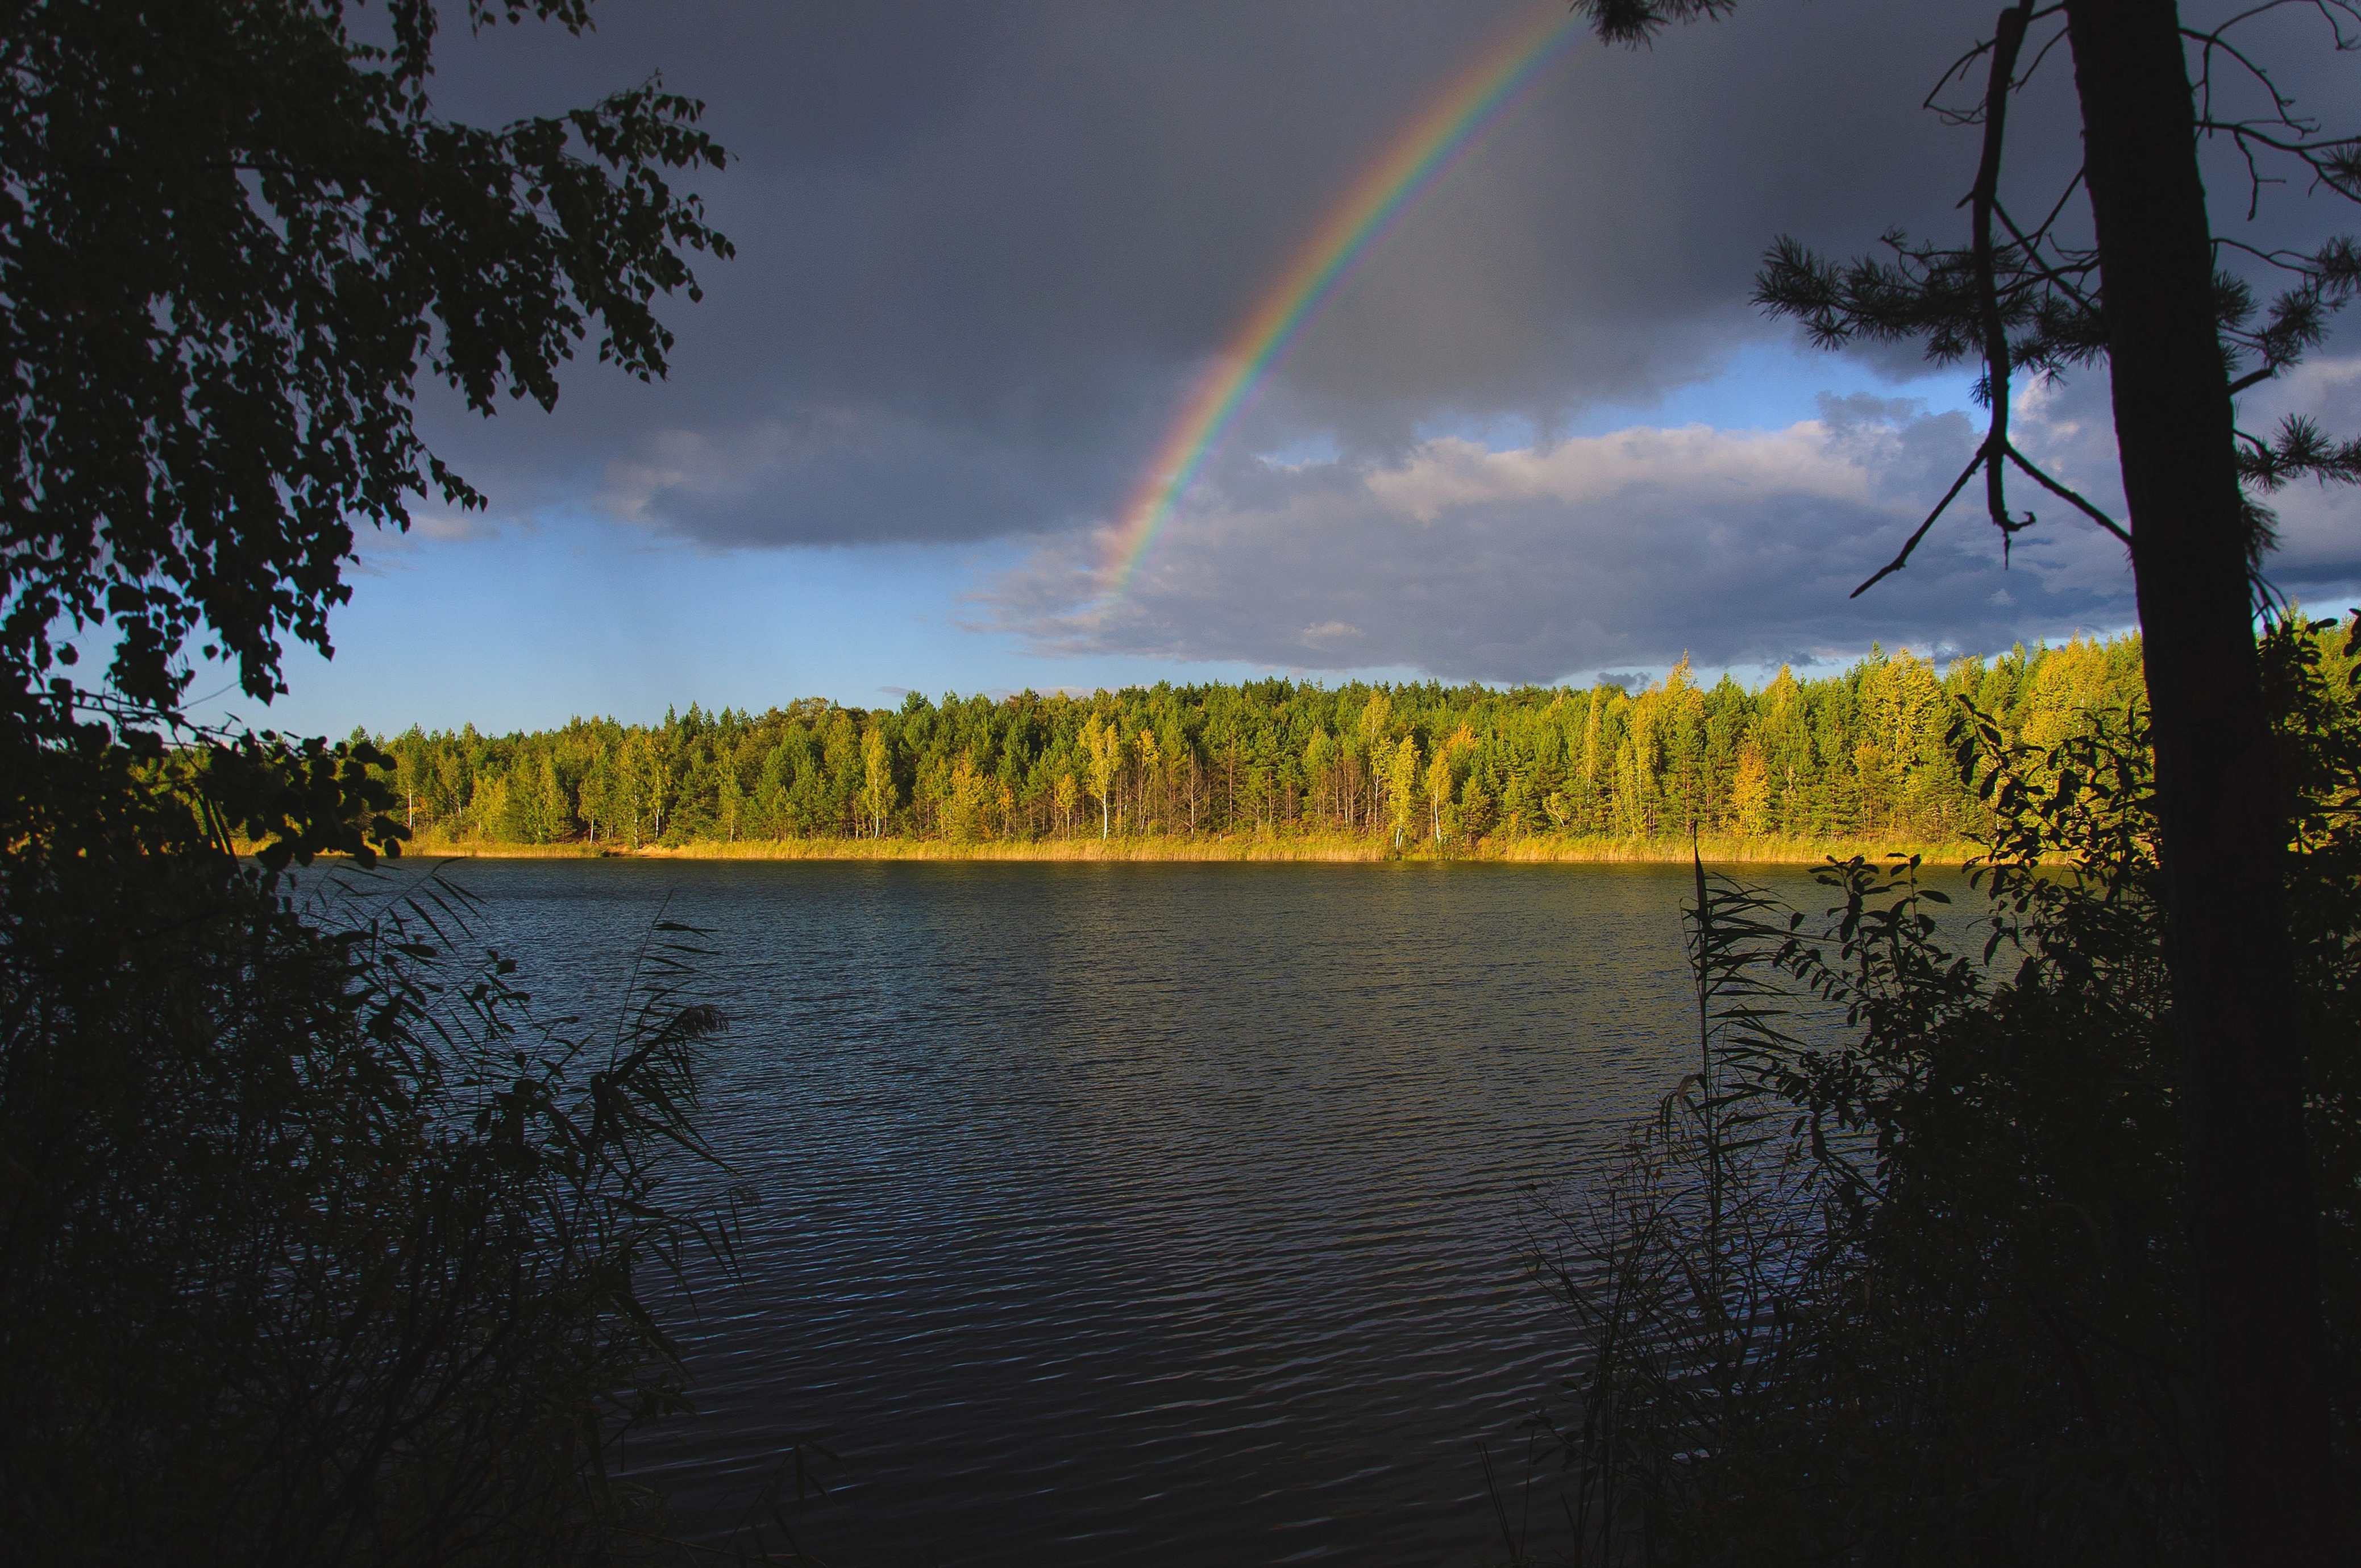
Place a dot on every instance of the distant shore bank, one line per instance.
(1209, 848)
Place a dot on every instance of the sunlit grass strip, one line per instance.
(1533, 850)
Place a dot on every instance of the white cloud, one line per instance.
(1540, 562)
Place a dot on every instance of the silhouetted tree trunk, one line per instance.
(2252, 1212)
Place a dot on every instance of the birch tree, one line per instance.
(877, 786)
(1401, 788)
(1102, 744)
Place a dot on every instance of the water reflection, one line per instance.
(1136, 1213)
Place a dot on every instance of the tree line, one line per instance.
(1864, 753)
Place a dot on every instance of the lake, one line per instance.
(1135, 1213)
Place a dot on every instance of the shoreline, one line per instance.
(1231, 848)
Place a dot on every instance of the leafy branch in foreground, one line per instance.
(231, 236)
(315, 1243)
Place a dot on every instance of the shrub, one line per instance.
(320, 1243)
(1900, 1273)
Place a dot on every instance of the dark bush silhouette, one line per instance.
(1901, 1273)
(319, 1245)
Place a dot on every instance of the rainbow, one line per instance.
(1458, 122)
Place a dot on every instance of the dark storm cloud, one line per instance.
(986, 250)
(990, 246)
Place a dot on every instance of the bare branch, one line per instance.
(2280, 102)
(1974, 115)
(2283, 258)
(1903, 558)
(2335, 162)
(2055, 279)
(2008, 37)
(2328, 11)
(2043, 53)
(2056, 210)
(2062, 493)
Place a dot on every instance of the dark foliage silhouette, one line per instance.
(1903, 1275)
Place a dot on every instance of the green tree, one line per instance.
(599, 793)
(1151, 758)
(2147, 294)
(731, 805)
(233, 235)
(552, 813)
(1320, 768)
(1854, 752)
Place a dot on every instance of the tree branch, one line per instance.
(2062, 493)
(2041, 268)
(1903, 559)
(2008, 37)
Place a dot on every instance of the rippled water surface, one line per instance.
(1134, 1214)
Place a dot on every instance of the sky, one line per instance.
(986, 255)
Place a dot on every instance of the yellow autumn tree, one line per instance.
(971, 792)
(1904, 716)
(1402, 787)
(1103, 744)
(1149, 757)
(1377, 717)
(1750, 793)
(878, 781)
(1439, 775)
(2069, 688)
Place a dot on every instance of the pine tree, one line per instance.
(2148, 298)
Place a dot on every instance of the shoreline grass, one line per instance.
(1310, 847)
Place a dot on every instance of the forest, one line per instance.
(1864, 754)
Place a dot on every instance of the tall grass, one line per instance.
(1898, 1271)
(324, 1242)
